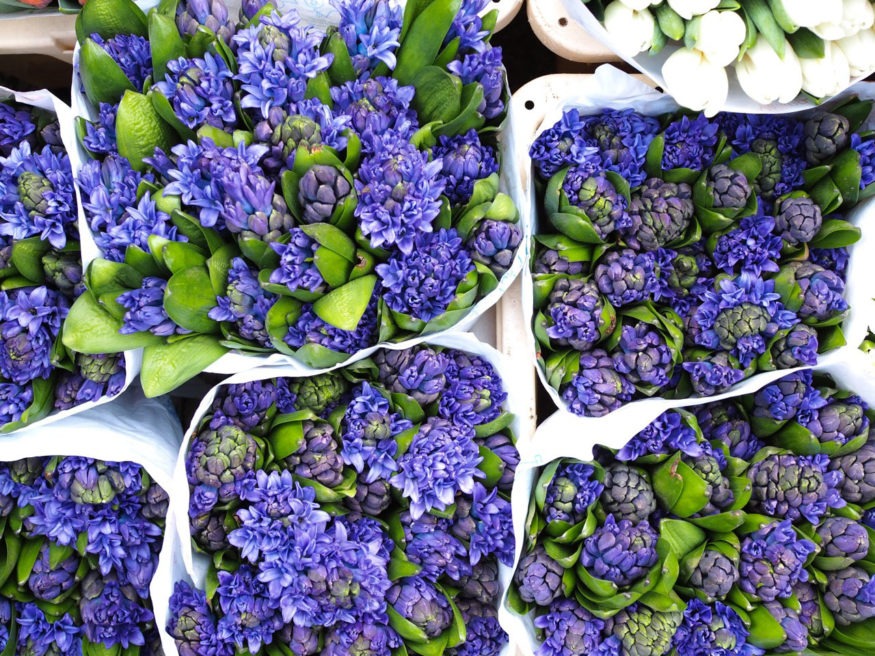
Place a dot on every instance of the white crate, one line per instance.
(565, 37)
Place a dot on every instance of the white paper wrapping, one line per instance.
(320, 13)
(45, 100)
(564, 435)
(178, 560)
(611, 88)
(651, 65)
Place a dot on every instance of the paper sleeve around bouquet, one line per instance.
(44, 407)
(609, 88)
(211, 353)
(564, 436)
(181, 562)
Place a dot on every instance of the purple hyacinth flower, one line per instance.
(145, 310)
(598, 388)
(773, 560)
(643, 356)
(621, 552)
(465, 160)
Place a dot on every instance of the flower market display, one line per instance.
(80, 540)
(744, 527)
(258, 186)
(678, 255)
(364, 511)
(41, 274)
(710, 52)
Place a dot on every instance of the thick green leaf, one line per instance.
(345, 306)
(422, 41)
(91, 329)
(188, 299)
(438, 94)
(167, 366)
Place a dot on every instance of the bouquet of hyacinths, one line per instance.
(41, 274)
(742, 526)
(706, 53)
(276, 189)
(80, 541)
(361, 511)
(678, 255)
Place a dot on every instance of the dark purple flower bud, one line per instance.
(796, 632)
(418, 372)
(539, 578)
(643, 356)
(782, 399)
(209, 532)
(858, 483)
(317, 393)
(47, 582)
(643, 631)
(64, 271)
(822, 291)
(111, 613)
(838, 420)
(773, 561)
(726, 421)
(249, 406)
(794, 487)
(628, 493)
(219, 458)
(322, 189)
(465, 160)
(729, 188)
(370, 498)
(810, 613)
(795, 349)
(418, 601)
(552, 261)
(192, 625)
(92, 481)
(572, 491)
(302, 640)
(841, 537)
(621, 552)
(212, 14)
(569, 629)
(625, 277)
(798, 219)
(503, 446)
(850, 595)
(714, 629)
(596, 196)
(482, 584)
(360, 638)
(494, 243)
(155, 503)
(597, 388)
(439, 554)
(576, 313)
(318, 458)
(661, 212)
(825, 135)
(715, 574)
(715, 373)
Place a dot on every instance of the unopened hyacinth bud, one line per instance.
(419, 602)
(246, 405)
(857, 484)
(597, 388)
(26, 471)
(370, 498)
(219, 458)
(91, 481)
(317, 393)
(318, 458)
(597, 197)
(576, 309)
(482, 584)
(64, 271)
(822, 291)
(719, 490)
(810, 613)
(572, 491)
(418, 372)
(628, 493)
(661, 212)
(569, 629)
(321, 190)
(714, 575)
(795, 349)
(826, 135)
(35, 192)
(155, 503)
(552, 261)
(795, 632)
(839, 420)
(771, 159)
(620, 551)
(302, 640)
(782, 399)
(850, 595)
(212, 14)
(794, 487)
(190, 622)
(625, 277)
(295, 131)
(841, 537)
(773, 561)
(209, 532)
(730, 189)
(798, 219)
(47, 582)
(539, 578)
(643, 356)
(643, 631)
(495, 243)
(101, 368)
(725, 421)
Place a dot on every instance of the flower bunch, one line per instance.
(363, 511)
(743, 527)
(776, 48)
(275, 188)
(81, 539)
(41, 270)
(679, 255)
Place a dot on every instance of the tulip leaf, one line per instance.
(167, 366)
(421, 42)
(90, 329)
(344, 307)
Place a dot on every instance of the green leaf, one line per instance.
(422, 41)
(680, 488)
(179, 255)
(27, 257)
(165, 42)
(345, 306)
(167, 366)
(680, 537)
(836, 233)
(721, 522)
(405, 628)
(579, 228)
(286, 439)
(319, 357)
(497, 425)
(26, 559)
(438, 94)
(89, 328)
(469, 118)
(334, 269)
(765, 630)
(139, 129)
(188, 299)
(341, 69)
(409, 407)
(332, 238)
(102, 78)
(9, 549)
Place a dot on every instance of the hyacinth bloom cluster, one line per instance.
(277, 188)
(364, 511)
(42, 273)
(678, 255)
(81, 539)
(738, 527)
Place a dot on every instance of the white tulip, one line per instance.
(638, 5)
(686, 9)
(695, 81)
(767, 78)
(632, 31)
(827, 75)
(808, 13)
(860, 52)
(719, 35)
(856, 15)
